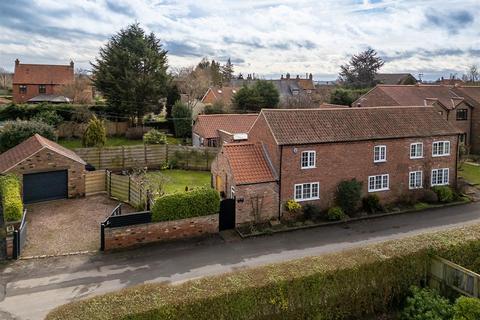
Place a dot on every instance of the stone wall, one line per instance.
(136, 235)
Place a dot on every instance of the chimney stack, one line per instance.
(17, 62)
(288, 75)
(71, 63)
(298, 77)
(281, 77)
(310, 76)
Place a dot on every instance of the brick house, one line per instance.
(223, 95)
(40, 82)
(392, 151)
(213, 130)
(48, 170)
(456, 104)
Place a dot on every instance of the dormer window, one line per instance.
(462, 114)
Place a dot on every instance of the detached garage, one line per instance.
(48, 170)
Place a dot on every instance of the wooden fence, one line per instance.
(446, 275)
(119, 187)
(68, 129)
(126, 157)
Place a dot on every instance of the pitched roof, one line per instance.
(331, 105)
(50, 98)
(392, 78)
(407, 95)
(42, 74)
(285, 86)
(248, 163)
(310, 126)
(31, 146)
(207, 125)
(470, 93)
(224, 94)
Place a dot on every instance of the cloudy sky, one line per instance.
(268, 37)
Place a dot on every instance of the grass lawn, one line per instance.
(177, 180)
(112, 142)
(470, 172)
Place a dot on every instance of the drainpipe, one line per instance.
(280, 185)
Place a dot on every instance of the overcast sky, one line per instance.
(268, 37)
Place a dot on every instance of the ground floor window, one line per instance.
(440, 177)
(378, 183)
(415, 180)
(307, 191)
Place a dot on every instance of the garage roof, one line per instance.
(31, 146)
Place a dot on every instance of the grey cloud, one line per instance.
(182, 49)
(426, 54)
(119, 7)
(452, 21)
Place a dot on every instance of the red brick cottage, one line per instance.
(40, 82)
(303, 154)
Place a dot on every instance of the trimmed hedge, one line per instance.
(15, 132)
(350, 284)
(12, 204)
(195, 203)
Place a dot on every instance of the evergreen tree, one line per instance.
(182, 120)
(95, 134)
(131, 72)
(215, 73)
(227, 71)
(173, 96)
(268, 94)
(262, 94)
(361, 70)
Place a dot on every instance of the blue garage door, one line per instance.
(44, 186)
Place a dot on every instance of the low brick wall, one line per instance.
(129, 236)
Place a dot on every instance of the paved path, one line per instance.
(31, 288)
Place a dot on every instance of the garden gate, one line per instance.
(227, 214)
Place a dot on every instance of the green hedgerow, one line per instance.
(335, 214)
(182, 205)
(426, 304)
(11, 198)
(15, 132)
(445, 193)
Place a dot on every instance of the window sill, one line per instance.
(440, 155)
(440, 184)
(379, 161)
(306, 168)
(310, 199)
(414, 158)
(416, 188)
(379, 190)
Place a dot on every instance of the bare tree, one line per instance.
(473, 74)
(5, 79)
(193, 83)
(80, 90)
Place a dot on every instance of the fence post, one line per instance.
(123, 157)
(109, 183)
(129, 187)
(102, 236)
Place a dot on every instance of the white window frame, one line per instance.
(417, 178)
(232, 192)
(380, 158)
(311, 159)
(445, 177)
(383, 187)
(444, 152)
(415, 145)
(301, 188)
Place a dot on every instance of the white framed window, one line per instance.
(378, 183)
(307, 191)
(416, 150)
(308, 159)
(380, 154)
(440, 177)
(441, 148)
(415, 180)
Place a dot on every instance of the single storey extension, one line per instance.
(303, 154)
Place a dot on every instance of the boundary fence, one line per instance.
(126, 157)
(444, 274)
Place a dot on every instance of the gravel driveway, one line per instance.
(66, 226)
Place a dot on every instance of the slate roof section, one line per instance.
(43, 74)
(407, 95)
(207, 125)
(313, 126)
(392, 78)
(31, 146)
(248, 163)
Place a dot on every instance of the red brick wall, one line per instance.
(221, 174)
(261, 133)
(32, 91)
(209, 97)
(124, 237)
(256, 203)
(47, 160)
(475, 133)
(342, 161)
(451, 116)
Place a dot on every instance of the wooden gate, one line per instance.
(227, 214)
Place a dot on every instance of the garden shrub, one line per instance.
(15, 132)
(182, 120)
(429, 196)
(353, 284)
(335, 214)
(348, 195)
(95, 134)
(155, 137)
(311, 211)
(371, 203)
(30, 111)
(293, 206)
(194, 203)
(50, 117)
(444, 193)
(426, 304)
(11, 197)
(466, 308)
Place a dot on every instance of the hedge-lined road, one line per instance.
(31, 288)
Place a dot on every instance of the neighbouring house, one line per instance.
(48, 170)
(41, 82)
(455, 103)
(213, 130)
(395, 78)
(223, 95)
(303, 154)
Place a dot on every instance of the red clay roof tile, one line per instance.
(43, 74)
(207, 125)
